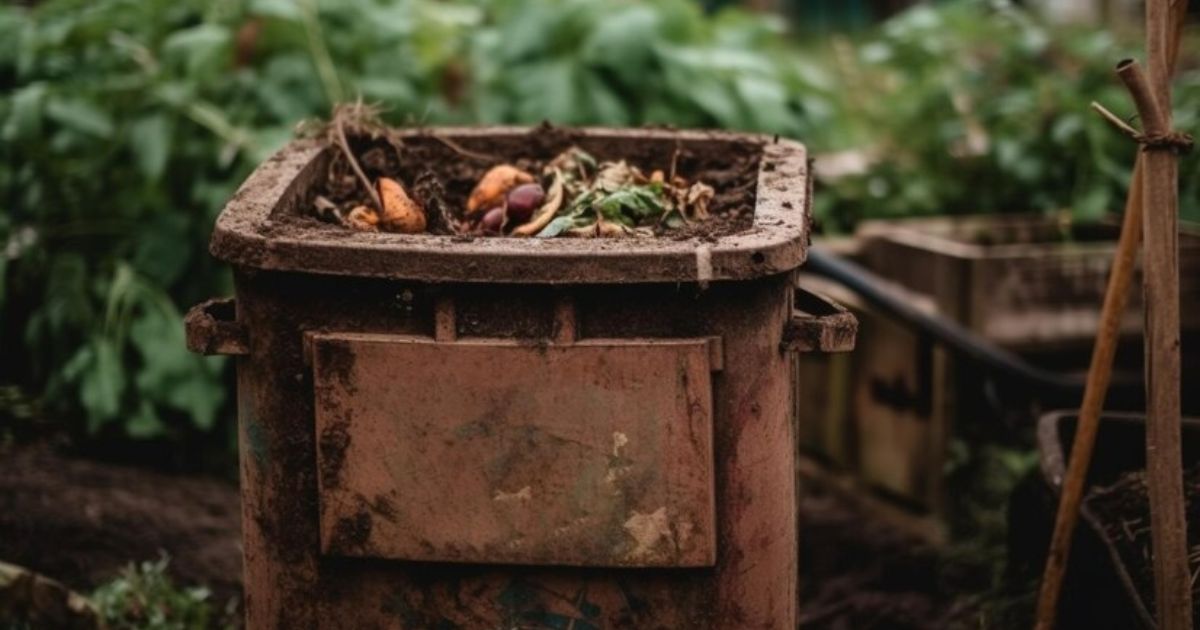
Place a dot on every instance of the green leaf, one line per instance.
(80, 115)
(150, 141)
(101, 381)
(607, 107)
(145, 424)
(25, 118)
(548, 91)
(557, 226)
(172, 376)
(766, 103)
(200, 396)
(286, 10)
(623, 41)
(200, 49)
(157, 254)
(631, 204)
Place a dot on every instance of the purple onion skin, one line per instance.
(493, 221)
(523, 200)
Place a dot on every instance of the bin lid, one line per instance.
(260, 228)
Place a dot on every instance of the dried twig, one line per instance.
(339, 129)
(459, 149)
(1115, 121)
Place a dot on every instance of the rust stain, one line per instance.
(336, 359)
(563, 457)
(335, 439)
(352, 532)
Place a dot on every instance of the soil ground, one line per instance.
(859, 572)
(80, 521)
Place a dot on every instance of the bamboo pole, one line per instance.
(1099, 372)
(1164, 466)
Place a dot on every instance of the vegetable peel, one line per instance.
(495, 184)
(400, 212)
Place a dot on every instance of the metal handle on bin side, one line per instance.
(212, 329)
(819, 325)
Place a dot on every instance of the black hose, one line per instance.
(1050, 387)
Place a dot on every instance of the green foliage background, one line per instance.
(126, 124)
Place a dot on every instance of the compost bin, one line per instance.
(465, 432)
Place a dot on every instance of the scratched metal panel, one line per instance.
(494, 451)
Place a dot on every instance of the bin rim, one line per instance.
(247, 235)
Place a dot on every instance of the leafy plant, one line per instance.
(980, 107)
(143, 597)
(126, 124)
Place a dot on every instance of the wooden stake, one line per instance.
(1099, 374)
(1164, 466)
(1088, 423)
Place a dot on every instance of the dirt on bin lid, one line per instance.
(457, 165)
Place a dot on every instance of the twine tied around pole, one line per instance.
(1178, 142)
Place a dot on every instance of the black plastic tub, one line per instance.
(1099, 591)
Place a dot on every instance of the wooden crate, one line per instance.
(883, 413)
(886, 413)
(1021, 281)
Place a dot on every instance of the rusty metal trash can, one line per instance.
(438, 432)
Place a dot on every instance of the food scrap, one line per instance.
(572, 195)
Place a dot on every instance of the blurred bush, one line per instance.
(978, 107)
(126, 124)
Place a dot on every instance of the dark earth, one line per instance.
(80, 521)
(457, 165)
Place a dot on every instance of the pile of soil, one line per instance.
(1123, 511)
(458, 164)
(80, 521)
(858, 572)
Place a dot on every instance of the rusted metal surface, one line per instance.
(211, 329)
(290, 582)
(258, 228)
(590, 454)
(311, 561)
(819, 325)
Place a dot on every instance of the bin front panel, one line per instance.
(597, 453)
